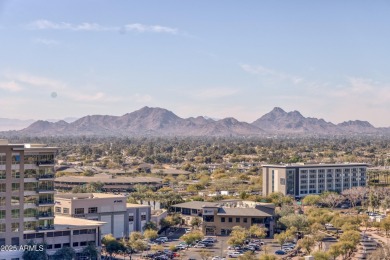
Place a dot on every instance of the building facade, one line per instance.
(302, 179)
(27, 202)
(219, 218)
(120, 218)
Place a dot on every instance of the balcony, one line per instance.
(46, 177)
(46, 203)
(48, 227)
(45, 215)
(45, 189)
(45, 163)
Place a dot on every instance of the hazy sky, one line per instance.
(326, 59)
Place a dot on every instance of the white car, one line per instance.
(181, 247)
(234, 254)
(199, 245)
(218, 258)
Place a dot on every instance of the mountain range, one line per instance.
(149, 121)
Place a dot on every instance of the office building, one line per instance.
(220, 217)
(302, 179)
(120, 218)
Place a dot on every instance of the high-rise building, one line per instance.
(302, 179)
(27, 204)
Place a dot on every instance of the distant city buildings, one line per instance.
(302, 179)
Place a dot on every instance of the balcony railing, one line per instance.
(43, 163)
(45, 215)
(45, 176)
(48, 227)
(44, 202)
(45, 189)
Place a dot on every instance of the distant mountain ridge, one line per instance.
(149, 121)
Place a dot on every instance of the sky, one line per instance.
(328, 59)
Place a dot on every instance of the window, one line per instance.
(3, 187)
(15, 227)
(79, 211)
(245, 220)
(92, 210)
(49, 246)
(230, 219)
(2, 241)
(143, 217)
(15, 186)
(75, 244)
(58, 209)
(282, 181)
(131, 218)
(15, 213)
(238, 220)
(3, 159)
(57, 246)
(222, 219)
(2, 214)
(3, 175)
(2, 228)
(30, 225)
(66, 245)
(65, 210)
(83, 243)
(15, 159)
(2, 201)
(15, 174)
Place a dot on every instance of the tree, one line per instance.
(306, 243)
(204, 255)
(335, 250)
(257, 231)
(192, 236)
(332, 199)
(91, 251)
(283, 237)
(385, 225)
(295, 220)
(111, 245)
(268, 257)
(237, 236)
(321, 255)
(135, 243)
(351, 236)
(65, 253)
(248, 255)
(150, 225)
(150, 234)
(195, 222)
(35, 254)
(311, 200)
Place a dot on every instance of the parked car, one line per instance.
(200, 245)
(280, 252)
(181, 247)
(234, 254)
(218, 258)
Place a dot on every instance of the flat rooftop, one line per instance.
(313, 165)
(87, 196)
(65, 223)
(131, 205)
(108, 179)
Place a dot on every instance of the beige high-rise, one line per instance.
(26, 190)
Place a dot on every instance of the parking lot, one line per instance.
(219, 248)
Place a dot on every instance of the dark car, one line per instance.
(280, 252)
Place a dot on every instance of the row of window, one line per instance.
(230, 220)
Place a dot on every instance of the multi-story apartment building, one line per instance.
(120, 218)
(27, 201)
(302, 179)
